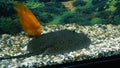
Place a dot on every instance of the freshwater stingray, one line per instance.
(59, 42)
(54, 43)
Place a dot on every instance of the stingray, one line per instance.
(54, 43)
(58, 42)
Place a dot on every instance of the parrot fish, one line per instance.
(27, 19)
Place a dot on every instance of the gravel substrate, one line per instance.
(105, 41)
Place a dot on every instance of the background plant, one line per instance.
(87, 12)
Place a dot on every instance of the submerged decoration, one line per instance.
(29, 22)
(58, 42)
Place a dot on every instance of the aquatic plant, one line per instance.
(45, 18)
(53, 0)
(79, 3)
(54, 12)
(111, 5)
(83, 4)
(6, 9)
(99, 5)
(9, 26)
(117, 19)
(81, 19)
(54, 8)
(117, 12)
(70, 18)
(104, 11)
(95, 21)
(48, 11)
(34, 4)
(114, 7)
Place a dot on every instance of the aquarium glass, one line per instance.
(37, 33)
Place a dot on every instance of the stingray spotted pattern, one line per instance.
(29, 22)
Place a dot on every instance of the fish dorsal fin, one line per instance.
(20, 7)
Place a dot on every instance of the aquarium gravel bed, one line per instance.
(105, 41)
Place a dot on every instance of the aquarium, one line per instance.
(59, 33)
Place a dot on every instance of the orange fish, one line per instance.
(29, 22)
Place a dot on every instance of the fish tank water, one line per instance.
(85, 32)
